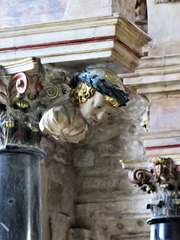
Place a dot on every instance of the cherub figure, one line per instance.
(141, 10)
(94, 95)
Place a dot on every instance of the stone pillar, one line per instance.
(157, 80)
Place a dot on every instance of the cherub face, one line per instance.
(96, 109)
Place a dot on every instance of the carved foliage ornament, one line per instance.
(23, 98)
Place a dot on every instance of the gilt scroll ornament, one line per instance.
(163, 182)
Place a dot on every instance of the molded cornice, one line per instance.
(109, 38)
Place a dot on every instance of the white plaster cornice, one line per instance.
(109, 38)
(165, 1)
(59, 26)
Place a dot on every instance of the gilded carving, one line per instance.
(146, 119)
(54, 11)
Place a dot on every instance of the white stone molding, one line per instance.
(131, 164)
(158, 80)
(162, 143)
(155, 77)
(21, 66)
(109, 38)
(165, 1)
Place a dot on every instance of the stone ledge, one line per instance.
(131, 164)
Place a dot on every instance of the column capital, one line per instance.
(163, 180)
(25, 92)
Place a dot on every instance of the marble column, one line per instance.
(23, 97)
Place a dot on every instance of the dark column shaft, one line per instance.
(165, 228)
(20, 217)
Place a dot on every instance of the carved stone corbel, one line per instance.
(32, 97)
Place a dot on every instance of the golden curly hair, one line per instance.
(83, 92)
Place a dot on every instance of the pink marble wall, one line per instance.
(25, 12)
(163, 28)
(165, 114)
(125, 7)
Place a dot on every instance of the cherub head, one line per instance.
(98, 95)
(93, 97)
